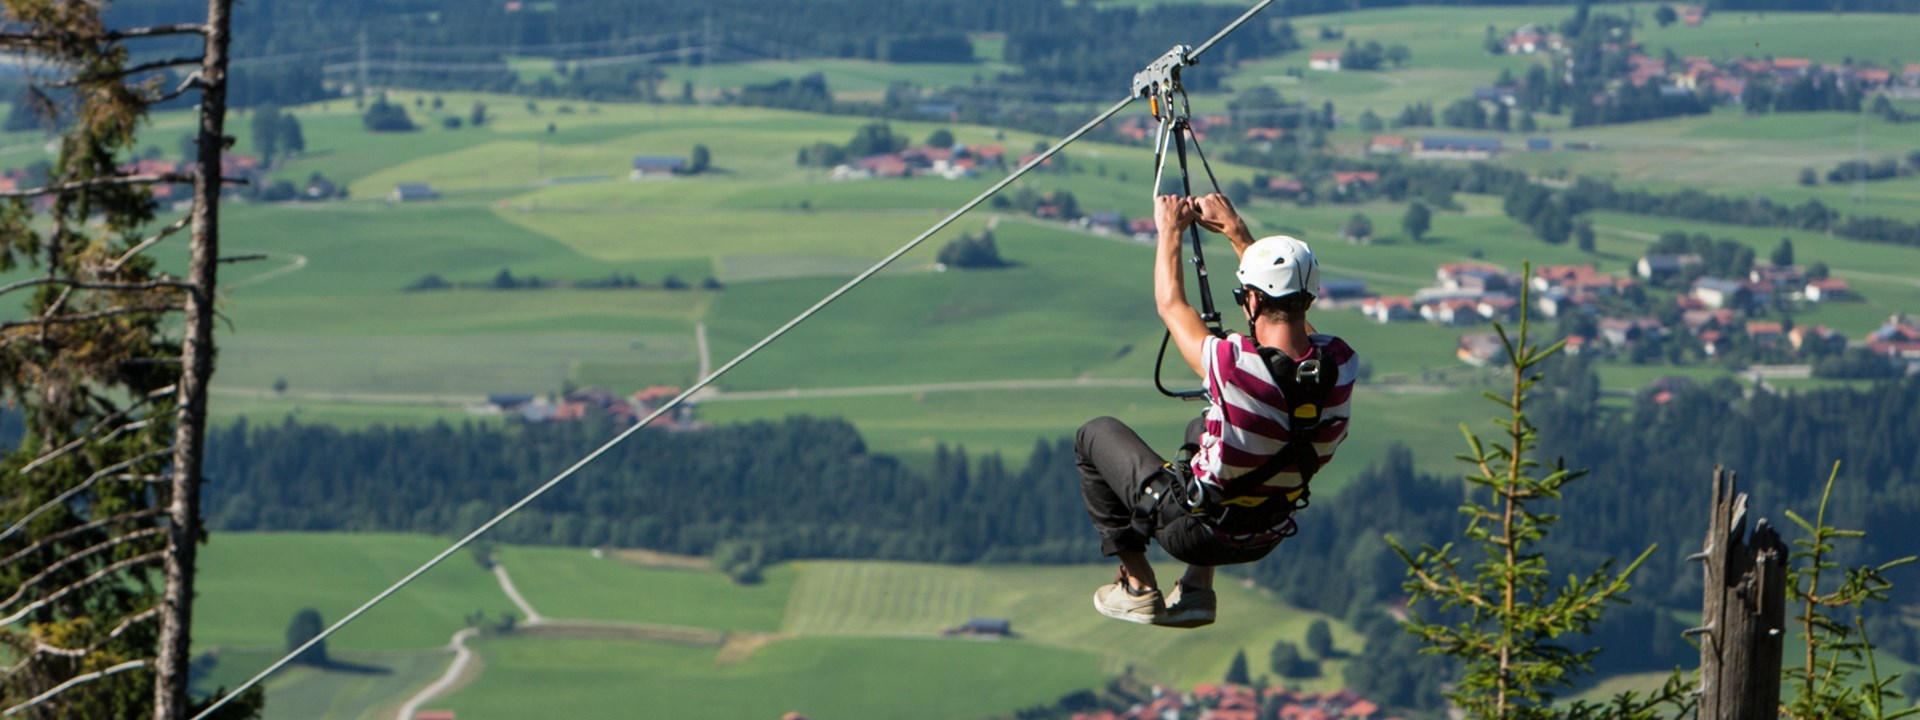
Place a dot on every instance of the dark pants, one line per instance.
(1114, 464)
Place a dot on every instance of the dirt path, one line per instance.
(455, 676)
(299, 262)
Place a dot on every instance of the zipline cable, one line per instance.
(703, 382)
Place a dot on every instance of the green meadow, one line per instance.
(802, 637)
(820, 677)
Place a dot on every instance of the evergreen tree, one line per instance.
(1237, 673)
(1417, 221)
(1508, 640)
(1783, 253)
(701, 160)
(101, 514)
(306, 625)
(293, 140)
(1320, 639)
(266, 132)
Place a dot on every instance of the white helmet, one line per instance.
(1280, 266)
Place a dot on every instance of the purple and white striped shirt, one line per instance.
(1249, 420)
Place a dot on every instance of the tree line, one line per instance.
(801, 487)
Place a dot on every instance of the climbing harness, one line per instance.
(1235, 514)
(1166, 98)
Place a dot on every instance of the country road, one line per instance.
(712, 394)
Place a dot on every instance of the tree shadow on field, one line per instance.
(345, 666)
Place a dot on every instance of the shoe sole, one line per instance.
(1187, 620)
(1119, 615)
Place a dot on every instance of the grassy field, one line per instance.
(570, 583)
(252, 584)
(823, 623)
(1048, 606)
(821, 677)
(364, 686)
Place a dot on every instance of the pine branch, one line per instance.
(100, 182)
(102, 574)
(177, 226)
(77, 529)
(76, 681)
(20, 592)
(42, 648)
(86, 317)
(15, 39)
(111, 418)
(82, 487)
(156, 31)
(124, 73)
(82, 285)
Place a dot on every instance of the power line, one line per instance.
(708, 380)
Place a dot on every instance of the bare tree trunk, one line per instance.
(176, 619)
(1744, 616)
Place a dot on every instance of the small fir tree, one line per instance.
(1510, 616)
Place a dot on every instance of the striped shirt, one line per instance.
(1248, 420)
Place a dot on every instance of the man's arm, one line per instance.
(1172, 214)
(1217, 214)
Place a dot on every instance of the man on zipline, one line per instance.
(1277, 408)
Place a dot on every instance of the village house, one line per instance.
(1328, 60)
(1658, 268)
(1623, 332)
(1284, 187)
(1787, 278)
(1816, 340)
(1396, 308)
(1719, 293)
(1475, 279)
(1530, 39)
(1349, 180)
(1712, 342)
(413, 192)
(1342, 291)
(1827, 290)
(1572, 279)
(1103, 222)
(1898, 337)
(646, 167)
(1555, 303)
(1765, 333)
(1480, 349)
(1387, 145)
(1142, 229)
(1452, 312)
(1441, 147)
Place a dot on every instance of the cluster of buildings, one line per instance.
(585, 402)
(1240, 702)
(1712, 310)
(235, 167)
(1898, 338)
(1726, 79)
(952, 163)
(1446, 147)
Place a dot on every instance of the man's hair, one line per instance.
(1281, 309)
